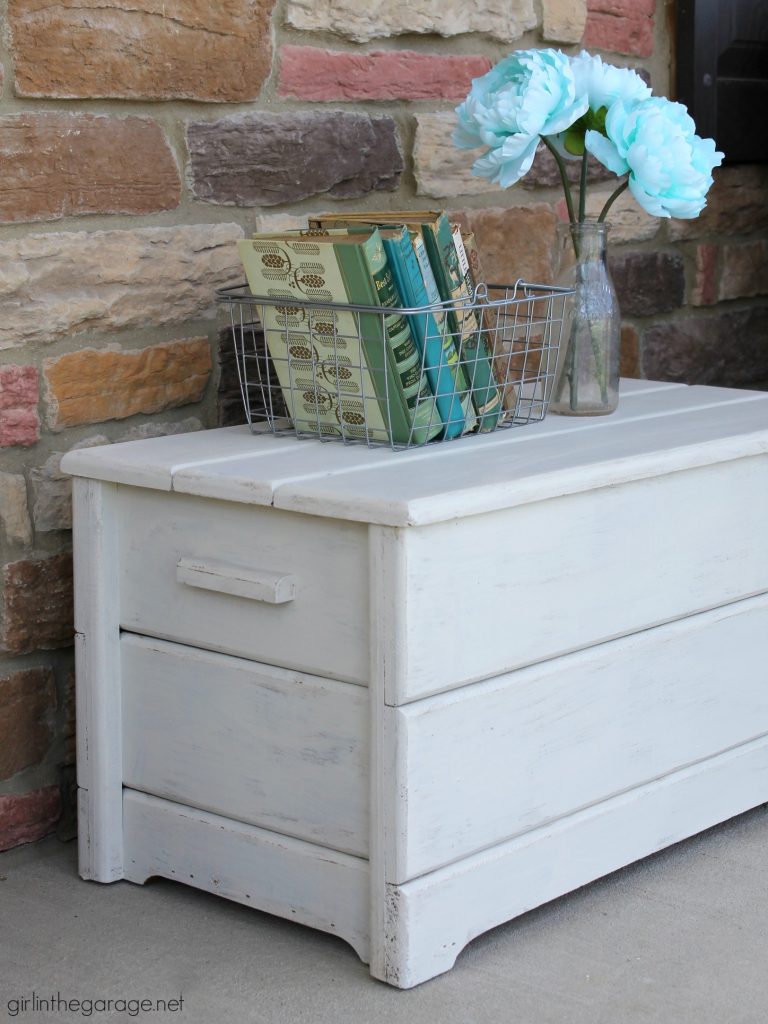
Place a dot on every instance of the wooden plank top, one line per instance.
(657, 429)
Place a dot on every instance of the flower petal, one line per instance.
(606, 152)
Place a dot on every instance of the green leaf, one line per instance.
(595, 120)
(573, 140)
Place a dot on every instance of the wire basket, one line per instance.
(329, 371)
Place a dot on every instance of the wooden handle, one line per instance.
(256, 584)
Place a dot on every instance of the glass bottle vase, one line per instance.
(587, 375)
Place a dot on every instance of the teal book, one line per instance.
(445, 323)
(440, 360)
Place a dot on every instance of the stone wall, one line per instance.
(139, 141)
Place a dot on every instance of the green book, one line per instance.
(506, 362)
(445, 255)
(352, 374)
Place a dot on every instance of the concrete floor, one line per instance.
(680, 938)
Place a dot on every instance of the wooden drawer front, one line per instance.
(283, 588)
(477, 766)
(490, 593)
(263, 745)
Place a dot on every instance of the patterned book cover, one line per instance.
(341, 372)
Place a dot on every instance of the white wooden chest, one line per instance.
(406, 697)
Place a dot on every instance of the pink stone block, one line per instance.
(309, 73)
(631, 36)
(19, 421)
(623, 8)
(25, 817)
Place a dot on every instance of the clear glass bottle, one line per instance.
(587, 375)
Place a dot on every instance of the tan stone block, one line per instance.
(13, 508)
(627, 221)
(515, 242)
(442, 170)
(52, 490)
(744, 270)
(273, 223)
(60, 165)
(91, 386)
(38, 604)
(27, 700)
(184, 49)
(142, 431)
(56, 285)
(383, 18)
(563, 21)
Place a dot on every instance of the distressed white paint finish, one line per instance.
(487, 762)
(258, 585)
(324, 629)
(261, 869)
(235, 479)
(274, 748)
(490, 593)
(388, 611)
(154, 462)
(435, 916)
(657, 428)
(602, 577)
(668, 432)
(97, 645)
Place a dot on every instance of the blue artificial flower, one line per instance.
(528, 94)
(603, 85)
(655, 142)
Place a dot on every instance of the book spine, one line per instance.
(444, 258)
(438, 354)
(478, 350)
(446, 326)
(504, 359)
(389, 344)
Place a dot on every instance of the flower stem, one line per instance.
(583, 189)
(612, 199)
(563, 177)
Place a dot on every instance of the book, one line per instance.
(487, 359)
(353, 374)
(501, 346)
(440, 359)
(477, 351)
(463, 323)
